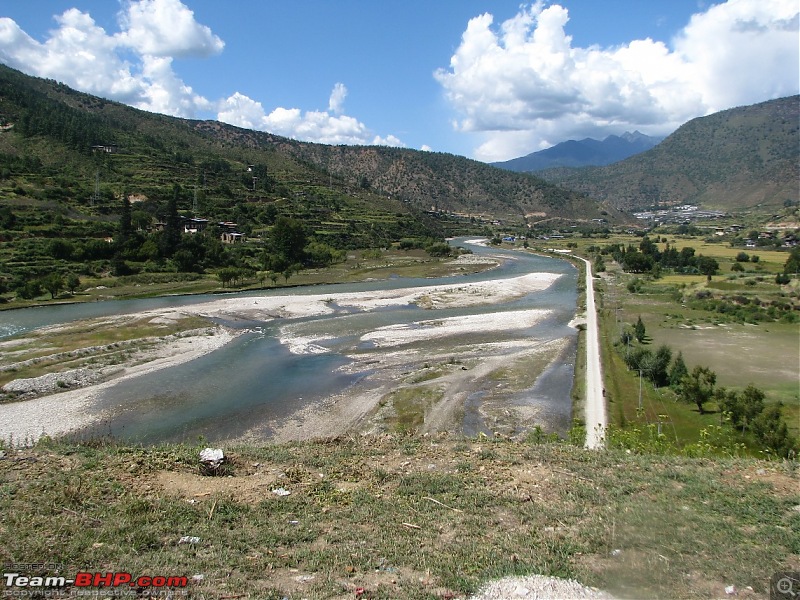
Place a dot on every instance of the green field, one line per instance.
(732, 333)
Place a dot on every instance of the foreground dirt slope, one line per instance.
(409, 516)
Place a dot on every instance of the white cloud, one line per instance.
(310, 126)
(523, 86)
(389, 140)
(166, 28)
(336, 101)
(84, 56)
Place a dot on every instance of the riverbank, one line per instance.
(405, 355)
(54, 414)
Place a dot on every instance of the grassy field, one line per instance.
(402, 517)
(766, 354)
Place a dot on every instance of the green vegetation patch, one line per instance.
(409, 405)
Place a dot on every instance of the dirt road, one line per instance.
(595, 399)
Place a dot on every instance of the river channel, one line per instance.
(277, 368)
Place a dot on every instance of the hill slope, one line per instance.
(51, 123)
(582, 153)
(735, 158)
(432, 181)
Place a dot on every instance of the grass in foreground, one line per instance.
(403, 517)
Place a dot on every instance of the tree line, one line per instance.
(746, 410)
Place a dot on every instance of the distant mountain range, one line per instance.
(734, 159)
(582, 153)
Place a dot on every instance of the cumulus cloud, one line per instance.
(83, 55)
(310, 126)
(523, 86)
(166, 28)
(135, 66)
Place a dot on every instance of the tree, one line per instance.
(659, 366)
(53, 283)
(171, 235)
(599, 264)
(141, 220)
(639, 330)
(639, 359)
(61, 249)
(636, 262)
(792, 264)
(742, 257)
(707, 266)
(125, 222)
(185, 260)
(72, 282)
(677, 372)
(771, 431)
(698, 387)
(743, 407)
(227, 275)
(29, 290)
(287, 241)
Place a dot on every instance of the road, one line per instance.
(595, 409)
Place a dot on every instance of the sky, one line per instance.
(487, 79)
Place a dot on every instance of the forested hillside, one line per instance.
(118, 190)
(733, 159)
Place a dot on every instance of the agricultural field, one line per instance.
(740, 324)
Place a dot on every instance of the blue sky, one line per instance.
(489, 79)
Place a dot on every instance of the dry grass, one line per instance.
(403, 517)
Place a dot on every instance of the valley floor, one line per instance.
(53, 390)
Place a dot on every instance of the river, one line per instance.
(262, 378)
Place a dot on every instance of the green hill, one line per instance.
(733, 159)
(68, 159)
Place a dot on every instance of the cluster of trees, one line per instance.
(746, 409)
(744, 309)
(54, 284)
(431, 246)
(647, 258)
(287, 248)
(78, 130)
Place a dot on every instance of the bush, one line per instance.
(439, 249)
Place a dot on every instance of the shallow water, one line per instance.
(260, 378)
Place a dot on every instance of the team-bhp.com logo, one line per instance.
(19, 582)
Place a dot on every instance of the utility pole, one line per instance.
(640, 390)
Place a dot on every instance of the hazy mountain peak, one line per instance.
(583, 153)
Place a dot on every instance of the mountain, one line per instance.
(56, 127)
(736, 158)
(581, 153)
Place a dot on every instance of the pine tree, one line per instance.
(677, 372)
(125, 222)
(639, 330)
